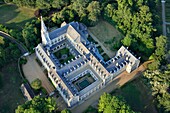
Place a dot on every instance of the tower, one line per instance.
(44, 34)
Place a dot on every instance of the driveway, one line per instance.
(32, 70)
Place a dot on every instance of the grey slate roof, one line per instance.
(80, 28)
(60, 31)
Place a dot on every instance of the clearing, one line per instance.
(108, 35)
(138, 96)
(15, 17)
(10, 93)
(63, 55)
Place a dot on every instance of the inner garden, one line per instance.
(64, 55)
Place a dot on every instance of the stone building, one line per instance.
(81, 70)
(27, 91)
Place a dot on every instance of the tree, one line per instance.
(59, 3)
(127, 41)
(159, 83)
(135, 21)
(38, 105)
(29, 35)
(65, 111)
(43, 4)
(160, 47)
(36, 84)
(94, 11)
(113, 104)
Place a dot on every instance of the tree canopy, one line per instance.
(160, 85)
(113, 104)
(38, 105)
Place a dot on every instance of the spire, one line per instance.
(44, 33)
(43, 27)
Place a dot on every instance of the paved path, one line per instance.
(117, 82)
(20, 45)
(32, 70)
(109, 53)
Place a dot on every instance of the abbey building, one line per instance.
(74, 64)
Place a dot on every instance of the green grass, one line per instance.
(61, 52)
(137, 95)
(1, 40)
(105, 33)
(15, 17)
(10, 94)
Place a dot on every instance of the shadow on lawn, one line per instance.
(8, 12)
(19, 25)
(137, 95)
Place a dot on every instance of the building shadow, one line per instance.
(8, 12)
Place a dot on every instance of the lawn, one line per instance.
(106, 34)
(61, 52)
(15, 17)
(137, 95)
(1, 40)
(10, 94)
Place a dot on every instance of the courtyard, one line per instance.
(83, 82)
(63, 55)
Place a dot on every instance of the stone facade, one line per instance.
(86, 60)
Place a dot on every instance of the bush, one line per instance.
(36, 84)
